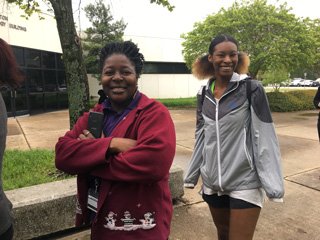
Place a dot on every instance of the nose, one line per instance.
(227, 59)
(117, 76)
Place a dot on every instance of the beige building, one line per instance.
(36, 46)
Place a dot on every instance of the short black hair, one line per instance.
(219, 39)
(127, 48)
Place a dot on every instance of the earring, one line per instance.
(134, 95)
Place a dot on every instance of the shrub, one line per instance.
(291, 101)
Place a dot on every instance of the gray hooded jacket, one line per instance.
(236, 147)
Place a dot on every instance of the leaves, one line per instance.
(272, 36)
(104, 30)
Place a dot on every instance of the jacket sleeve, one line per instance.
(192, 172)
(316, 99)
(151, 159)
(74, 156)
(266, 149)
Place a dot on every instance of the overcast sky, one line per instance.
(145, 19)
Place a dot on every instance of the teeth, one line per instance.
(226, 68)
(118, 88)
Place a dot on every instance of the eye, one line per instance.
(108, 72)
(126, 72)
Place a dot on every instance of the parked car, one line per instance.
(305, 82)
(316, 83)
(295, 82)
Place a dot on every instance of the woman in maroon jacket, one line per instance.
(122, 176)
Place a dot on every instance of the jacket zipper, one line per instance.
(218, 135)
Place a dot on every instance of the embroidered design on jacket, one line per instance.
(147, 223)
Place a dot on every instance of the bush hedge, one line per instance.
(279, 101)
(291, 101)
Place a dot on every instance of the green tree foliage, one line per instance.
(277, 78)
(314, 29)
(104, 30)
(76, 73)
(273, 37)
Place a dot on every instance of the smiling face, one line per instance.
(119, 81)
(224, 59)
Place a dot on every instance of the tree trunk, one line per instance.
(76, 73)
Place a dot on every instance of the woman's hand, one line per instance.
(118, 145)
(86, 135)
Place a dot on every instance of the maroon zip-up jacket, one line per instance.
(134, 197)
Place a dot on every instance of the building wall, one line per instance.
(43, 35)
(160, 85)
(32, 33)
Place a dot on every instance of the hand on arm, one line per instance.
(86, 135)
(118, 145)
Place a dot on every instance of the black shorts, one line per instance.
(225, 201)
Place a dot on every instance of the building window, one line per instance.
(44, 87)
(165, 68)
(32, 58)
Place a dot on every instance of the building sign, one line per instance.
(4, 21)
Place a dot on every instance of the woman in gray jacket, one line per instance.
(236, 148)
(10, 76)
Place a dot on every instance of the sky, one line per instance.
(152, 20)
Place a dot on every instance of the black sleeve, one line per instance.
(316, 99)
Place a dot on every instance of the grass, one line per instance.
(28, 168)
(169, 102)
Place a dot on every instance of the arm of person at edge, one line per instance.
(192, 172)
(316, 100)
(147, 159)
(266, 149)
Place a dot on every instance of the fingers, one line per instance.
(86, 135)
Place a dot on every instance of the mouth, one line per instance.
(118, 90)
(227, 68)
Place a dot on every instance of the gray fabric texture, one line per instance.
(236, 147)
(6, 218)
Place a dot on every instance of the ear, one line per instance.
(210, 58)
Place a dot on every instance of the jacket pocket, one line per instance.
(246, 148)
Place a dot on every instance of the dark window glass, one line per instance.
(63, 100)
(48, 60)
(180, 68)
(62, 86)
(34, 79)
(32, 58)
(36, 103)
(165, 68)
(60, 63)
(150, 68)
(18, 53)
(51, 101)
(50, 83)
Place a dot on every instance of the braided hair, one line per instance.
(127, 48)
(202, 68)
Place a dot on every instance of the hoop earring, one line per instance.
(134, 95)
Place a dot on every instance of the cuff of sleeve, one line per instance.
(188, 185)
(279, 200)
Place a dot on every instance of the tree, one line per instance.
(103, 31)
(277, 78)
(272, 37)
(76, 73)
(314, 28)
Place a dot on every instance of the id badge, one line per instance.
(92, 200)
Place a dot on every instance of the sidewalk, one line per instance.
(297, 218)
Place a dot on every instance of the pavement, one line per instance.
(298, 217)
